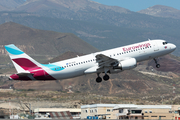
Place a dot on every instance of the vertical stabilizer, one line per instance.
(21, 60)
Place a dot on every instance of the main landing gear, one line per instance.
(106, 77)
(99, 79)
(157, 65)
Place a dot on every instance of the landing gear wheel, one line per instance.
(106, 77)
(158, 65)
(98, 79)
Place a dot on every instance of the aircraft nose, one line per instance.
(173, 46)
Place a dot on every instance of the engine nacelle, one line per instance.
(126, 64)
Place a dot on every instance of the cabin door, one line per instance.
(155, 46)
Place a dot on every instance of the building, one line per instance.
(175, 110)
(131, 111)
(75, 113)
(128, 111)
(100, 110)
(157, 111)
(144, 111)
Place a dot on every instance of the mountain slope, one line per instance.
(6, 5)
(41, 42)
(162, 11)
(86, 10)
(65, 6)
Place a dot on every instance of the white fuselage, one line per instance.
(140, 51)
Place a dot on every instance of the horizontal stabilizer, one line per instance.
(24, 74)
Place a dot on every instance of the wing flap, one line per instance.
(105, 61)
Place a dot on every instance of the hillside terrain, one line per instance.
(41, 42)
(7, 5)
(162, 11)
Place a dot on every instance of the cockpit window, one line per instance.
(164, 43)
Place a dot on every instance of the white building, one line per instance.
(130, 111)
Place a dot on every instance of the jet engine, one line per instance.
(126, 64)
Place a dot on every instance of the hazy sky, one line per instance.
(136, 5)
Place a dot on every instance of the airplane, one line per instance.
(106, 62)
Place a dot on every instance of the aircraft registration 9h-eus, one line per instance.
(106, 62)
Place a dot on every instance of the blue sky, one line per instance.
(137, 5)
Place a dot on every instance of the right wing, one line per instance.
(104, 64)
(105, 61)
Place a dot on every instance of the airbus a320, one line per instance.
(106, 62)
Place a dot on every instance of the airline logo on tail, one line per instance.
(27, 67)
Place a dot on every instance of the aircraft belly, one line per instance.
(68, 73)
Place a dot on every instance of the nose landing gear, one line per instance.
(157, 65)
